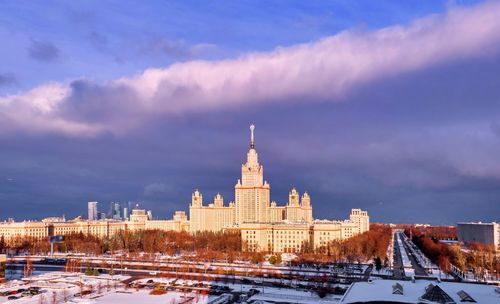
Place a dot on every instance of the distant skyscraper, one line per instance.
(111, 212)
(125, 213)
(92, 208)
(150, 215)
(102, 216)
(117, 211)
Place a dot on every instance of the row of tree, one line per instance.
(144, 241)
(366, 247)
(478, 258)
(212, 245)
(435, 232)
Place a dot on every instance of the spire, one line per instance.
(252, 143)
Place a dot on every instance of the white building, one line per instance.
(485, 233)
(264, 225)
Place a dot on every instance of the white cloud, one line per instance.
(325, 69)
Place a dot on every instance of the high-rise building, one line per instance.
(111, 212)
(150, 214)
(125, 213)
(117, 211)
(130, 207)
(263, 224)
(92, 210)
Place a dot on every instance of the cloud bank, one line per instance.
(322, 70)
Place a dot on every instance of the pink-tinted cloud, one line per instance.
(320, 70)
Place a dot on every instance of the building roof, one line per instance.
(465, 297)
(434, 293)
(382, 291)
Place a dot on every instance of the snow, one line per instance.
(65, 287)
(381, 290)
(61, 286)
(143, 296)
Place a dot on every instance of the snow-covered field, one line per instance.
(62, 287)
(57, 287)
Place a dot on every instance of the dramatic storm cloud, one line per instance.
(402, 120)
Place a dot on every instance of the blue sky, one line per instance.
(391, 106)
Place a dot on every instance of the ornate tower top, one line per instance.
(252, 143)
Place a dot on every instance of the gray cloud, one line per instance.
(44, 51)
(156, 189)
(98, 40)
(177, 49)
(7, 79)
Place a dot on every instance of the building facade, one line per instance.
(264, 225)
(485, 233)
(92, 210)
(252, 202)
(13, 231)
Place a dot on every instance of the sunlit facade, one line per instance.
(263, 224)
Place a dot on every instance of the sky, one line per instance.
(388, 106)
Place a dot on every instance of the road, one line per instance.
(398, 261)
(419, 270)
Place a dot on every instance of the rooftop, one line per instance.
(382, 291)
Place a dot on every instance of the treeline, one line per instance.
(434, 232)
(210, 244)
(478, 258)
(371, 245)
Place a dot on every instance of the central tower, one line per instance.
(252, 193)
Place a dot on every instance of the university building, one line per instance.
(263, 224)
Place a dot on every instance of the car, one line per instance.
(253, 291)
(12, 298)
(153, 273)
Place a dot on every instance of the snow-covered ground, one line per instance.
(57, 287)
(143, 296)
(62, 287)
